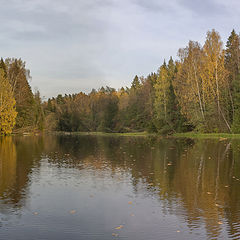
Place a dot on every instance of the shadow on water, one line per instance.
(197, 181)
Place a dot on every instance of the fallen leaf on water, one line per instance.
(120, 227)
(114, 234)
(73, 211)
(130, 202)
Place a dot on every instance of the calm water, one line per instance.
(87, 187)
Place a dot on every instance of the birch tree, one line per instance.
(161, 91)
(188, 84)
(215, 81)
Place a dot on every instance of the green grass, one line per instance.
(146, 134)
(134, 134)
(206, 135)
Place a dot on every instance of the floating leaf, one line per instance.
(73, 211)
(120, 227)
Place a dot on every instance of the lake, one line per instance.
(100, 187)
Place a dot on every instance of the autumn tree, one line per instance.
(19, 77)
(7, 105)
(162, 87)
(189, 86)
(215, 83)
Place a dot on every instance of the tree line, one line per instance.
(199, 91)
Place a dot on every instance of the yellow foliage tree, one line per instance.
(7, 105)
(162, 87)
(188, 83)
(215, 76)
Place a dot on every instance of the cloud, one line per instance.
(79, 45)
(205, 8)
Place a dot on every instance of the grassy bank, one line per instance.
(206, 135)
(138, 134)
(132, 134)
(178, 135)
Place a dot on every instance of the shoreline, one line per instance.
(134, 134)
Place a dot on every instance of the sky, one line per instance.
(76, 45)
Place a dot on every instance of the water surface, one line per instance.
(92, 187)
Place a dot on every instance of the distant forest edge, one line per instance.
(198, 92)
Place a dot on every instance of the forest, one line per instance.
(200, 91)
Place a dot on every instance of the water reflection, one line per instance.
(196, 181)
(8, 165)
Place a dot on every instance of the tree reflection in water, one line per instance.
(196, 180)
